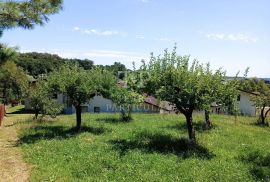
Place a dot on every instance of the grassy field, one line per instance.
(153, 147)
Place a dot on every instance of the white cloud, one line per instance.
(96, 32)
(76, 28)
(231, 37)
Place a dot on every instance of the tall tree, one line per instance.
(26, 13)
(80, 85)
(178, 80)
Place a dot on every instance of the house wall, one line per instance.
(105, 105)
(246, 106)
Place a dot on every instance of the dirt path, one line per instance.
(12, 166)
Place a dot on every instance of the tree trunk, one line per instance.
(262, 115)
(191, 131)
(78, 117)
(36, 114)
(129, 113)
(265, 115)
(207, 119)
(267, 112)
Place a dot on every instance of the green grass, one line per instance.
(153, 147)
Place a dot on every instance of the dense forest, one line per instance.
(36, 64)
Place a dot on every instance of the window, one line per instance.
(54, 96)
(96, 109)
(239, 97)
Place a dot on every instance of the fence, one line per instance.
(2, 113)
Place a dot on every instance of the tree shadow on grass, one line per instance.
(20, 111)
(259, 165)
(164, 144)
(110, 120)
(258, 124)
(38, 133)
(198, 126)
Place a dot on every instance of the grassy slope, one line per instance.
(147, 149)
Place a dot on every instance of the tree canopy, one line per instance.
(126, 99)
(36, 64)
(187, 84)
(40, 97)
(13, 80)
(26, 13)
(80, 85)
(115, 68)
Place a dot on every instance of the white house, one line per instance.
(101, 104)
(150, 105)
(246, 105)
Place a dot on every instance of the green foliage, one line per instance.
(74, 82)
(115, 68)
(40, 99)
(262, 100)
(36, 64)
(13, 82)
(188, 85)
(27, 14)
(80, 85)
(147, 149)
(229, 95)
(7, 54)
(260, 95)
(174, 79)
(126, 99)
(251, 85)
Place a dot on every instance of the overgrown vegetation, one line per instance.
(151, 148)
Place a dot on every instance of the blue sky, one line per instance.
(233, 34)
